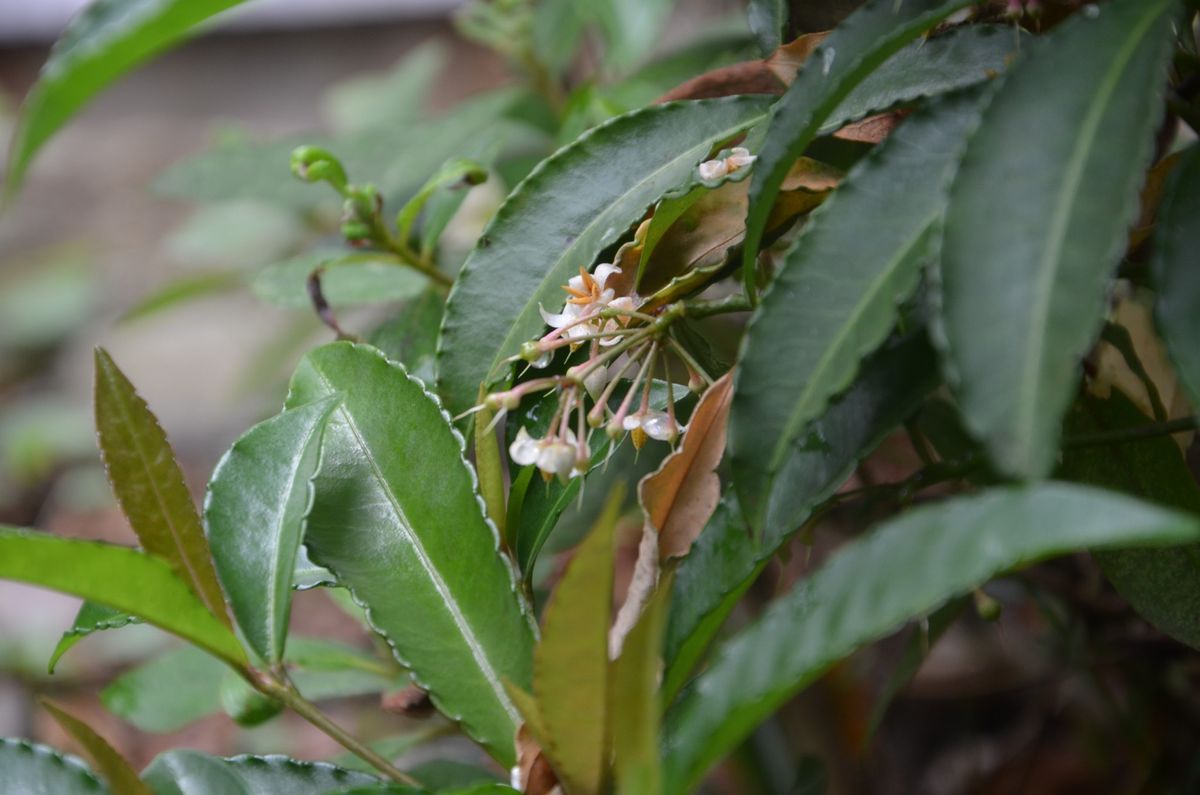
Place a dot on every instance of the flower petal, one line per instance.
(524, 449)
(712, 169)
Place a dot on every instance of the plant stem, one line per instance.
(732, 303)
(1122, 435)
(287, 693)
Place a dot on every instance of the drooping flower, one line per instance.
(739, 157)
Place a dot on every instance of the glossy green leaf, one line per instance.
(1161, 584)
(838, 292)
(907, 567)
(856, 48)
(1035, 229)
(572, 207)
(257, 499)
(570, 680)
(767, 19)
(346, 279)
(119, 577)
(1176, 241)
(32, 769)
(115, 769)
(396, 518)
(725, 560)
(634, 705)
(107, 40)
(183, 772)
(149, 485)
(168, 692)
(92, 617)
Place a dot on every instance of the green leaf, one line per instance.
(109, 38)
(149, 485)
(346, 279)
(116, 770)
(119, 577)
(956, 59)
(389, 99)
(767, 20)
(257, 499)
(573, 206)
(396, 518)
(855, 49)
(168, 692)
(1161, 584)
(1176, 240)
(838, 292)
(454, 174)
(410, 335)
(183, 772)
(634, 706)
(570, 678)
(907, 567)
(725, 561)
(181, 291)
(32, 769)
(1035, 228)
(92, 617)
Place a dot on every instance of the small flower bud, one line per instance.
(987, 607)
(696, 383)
(314, 164)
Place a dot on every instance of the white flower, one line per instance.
(524, 449)
(655, 424)
(588, 296)
(553, 456)
(739, 157)
(595, 381)
(557, 458)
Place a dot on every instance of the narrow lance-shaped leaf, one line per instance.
(767, 19)
(855, 48)
(457, 173)
(92, 617)
(570, 678)
(1036, 225)
(573, 206)
(1176, 277)
(257, 499)
(107, 39)
(117, 770)
(183, 772)
(149, 485)
(398, 521)
(634, 706)
(119, 577)
(725, 560)
(905, 568)
(837, 295)
(33, 769)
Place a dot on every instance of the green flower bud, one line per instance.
(314, 164)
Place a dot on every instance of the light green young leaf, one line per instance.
(573, 206)
(397, 520)
(183, 772)
(92, 617)
(725, 561)
(905, 568)
(1161, 584)
(32, 769)
(115, 769)
(346, 279)
(1176, 278)
(570, 679)
(838, 293)
(119, 577)
(850, 54)
(454, 174)
(635, 708)
(254, 511)
(109, 38)
(1035, 227)
(149, 485)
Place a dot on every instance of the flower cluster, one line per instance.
(624, 346)
(739, 157)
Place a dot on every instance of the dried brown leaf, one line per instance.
(785, 62)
